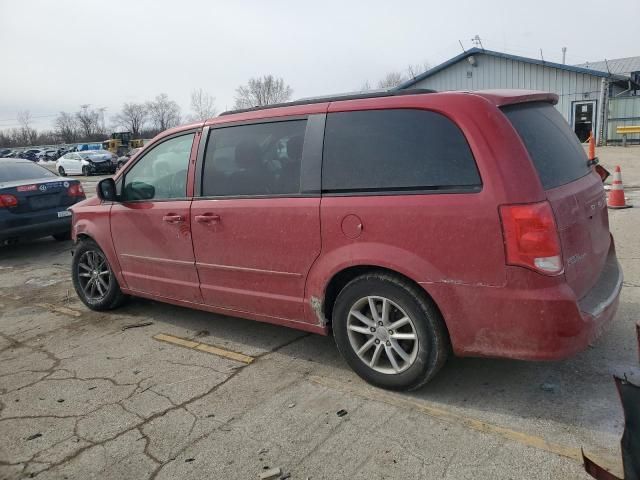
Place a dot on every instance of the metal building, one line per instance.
(583, 92)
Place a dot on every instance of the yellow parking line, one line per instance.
(204, 347)
(58, 309)
(439, 413)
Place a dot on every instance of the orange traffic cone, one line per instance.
(616, 194)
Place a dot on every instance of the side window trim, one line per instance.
(152, 147)
(311, 162)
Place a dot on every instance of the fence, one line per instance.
(623, 112)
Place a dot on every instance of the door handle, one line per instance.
(173, 218)
(207, 218)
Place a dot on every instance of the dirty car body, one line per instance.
(507, 242)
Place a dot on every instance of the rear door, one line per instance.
(573, 189)
(150, 226)
(256, 223)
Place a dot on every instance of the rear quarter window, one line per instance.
(553, 147)
(395, 150)
(13, 172)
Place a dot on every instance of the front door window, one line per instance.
(162, 173)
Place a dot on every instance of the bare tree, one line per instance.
(365, 87)
(133, 117)
(88, 121)
(263, 91)
(28, 135)
(203, 105)
(164, 113)
(416, 69)
(66, 127)
(391, 79)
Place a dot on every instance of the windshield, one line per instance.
(12, 172)
(94, 153)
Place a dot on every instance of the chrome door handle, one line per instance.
(207, 218)
(172, 218)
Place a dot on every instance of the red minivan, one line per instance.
(409, 224)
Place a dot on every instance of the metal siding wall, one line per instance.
(627, 109)
(496, 72)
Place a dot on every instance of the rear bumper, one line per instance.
(527, 323)
(35, 230)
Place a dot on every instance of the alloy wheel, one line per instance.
(382, 335)
(94, 275)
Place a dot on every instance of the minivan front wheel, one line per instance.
(389, 332)
(93, 278)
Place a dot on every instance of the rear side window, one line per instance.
(257, 159)
(13, 172)
(395, 150)
(554, 148)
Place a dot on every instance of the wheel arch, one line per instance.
(341, 278)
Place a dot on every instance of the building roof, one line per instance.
(620, 66)
(481, 51)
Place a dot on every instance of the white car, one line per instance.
(87, 163)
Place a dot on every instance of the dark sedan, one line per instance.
(34, 201)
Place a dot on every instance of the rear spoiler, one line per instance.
(501, 98)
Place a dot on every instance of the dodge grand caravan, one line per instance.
(411, 225)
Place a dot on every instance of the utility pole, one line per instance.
(564, 55)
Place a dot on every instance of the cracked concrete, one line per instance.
(80, 398)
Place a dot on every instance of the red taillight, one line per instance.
(75, 190)
(7, 200)
(531, 237)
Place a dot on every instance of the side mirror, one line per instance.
(139, 191)
(106, 190)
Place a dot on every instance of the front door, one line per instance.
(255, 236)
(584, 119)
(151, 228)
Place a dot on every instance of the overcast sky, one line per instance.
(57, 55)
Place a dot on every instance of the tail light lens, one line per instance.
(531, 237)
(7, 200)
(75, 190)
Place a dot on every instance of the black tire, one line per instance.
(432, 339)
(62, 172)
(85, 171)
(62, 237)
(113, 296)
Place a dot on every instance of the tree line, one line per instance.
(147, 119)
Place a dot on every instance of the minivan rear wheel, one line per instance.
(389, 331)
(93, 278)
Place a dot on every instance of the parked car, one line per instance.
(34, 201)
(48, 155)
(4, 152)
(125, 158)
(408, 225)
(87, 163)
(29, 154)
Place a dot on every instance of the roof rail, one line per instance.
(336, 98)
